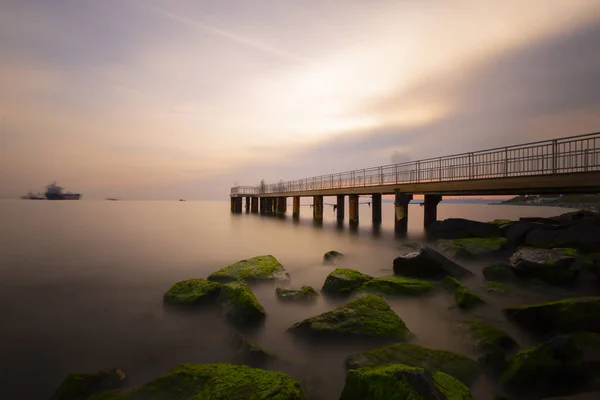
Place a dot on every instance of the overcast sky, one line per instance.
(185, 98)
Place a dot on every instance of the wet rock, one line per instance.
(458, 228)
(253, 269)
(411, 247)
(400, 381)
(584, 236)
(248, 352)
(331, 256)
(486, 337)
(556, 267)
(499, 272)
(193, 292)
(568, 315)
(472, 247)
(497, 288)
(460, 367)
(369, 317)
(239, 303)
(518, 231)
(80, 386)
(398, 285)
(344, 281)
(302, 294)
(463, 297)
(428, 263)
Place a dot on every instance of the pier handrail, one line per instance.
(580, 153)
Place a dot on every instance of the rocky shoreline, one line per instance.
(558, 252)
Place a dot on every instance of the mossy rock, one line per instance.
(427, 263)
(304, 293)
(239, 303)
(215, 382)
(558, 267)
(569, 315)
(80, 386)
(259, 268)
(462, 368)
(463, 297)
(368, 317)
(487, 337)
(499, 272)
(343, 281)
(497, 288)
(249, 352)
(398, 285)
(332, 255)
(472, 247)
(193, 292)
(401, 382)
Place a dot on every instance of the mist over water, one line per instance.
(81, 286)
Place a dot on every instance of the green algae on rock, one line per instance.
(249, 352)
(398, 285)
(559, 267)
(368, 317)
(463, 297)
(80, 386)
(401, 382)
(193, 292)
(499, 272)
(332, 255)
(460, 367)
(497, 288)
(429, 264)
(240, 304)
(256, 268)
(568, 315)
(215, 382)
(304, 293)
(487, 337)
(472, 247)
(344, 281)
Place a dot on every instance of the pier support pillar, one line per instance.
(263, 205)
(247, 204)
(232, 204)
(281, 205)
(318, 208)
(236, 205)
(340, 207)
(376, 198)
(270, 205)
(401, 213)
(430, 205)
(353, 209)
(296, 207)
(254, 205)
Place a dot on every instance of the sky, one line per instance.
(168, 99)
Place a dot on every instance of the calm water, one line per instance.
(81, 287)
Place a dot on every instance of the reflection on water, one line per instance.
(82, 283)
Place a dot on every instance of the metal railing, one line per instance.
(557, 156)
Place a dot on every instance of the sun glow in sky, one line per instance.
(170, 99)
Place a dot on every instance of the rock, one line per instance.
(568, 315)
(497, 288)
(215, 382)
(258, 268)
(463, 297)
(344, 281)
(577, 217)
(398, 285)
(460, 367)
(488, 338)
(398, 381)
(518, 231)
(499, 272)
(406, 248)
(330, 256)
(458, 228)
(472, 247)
(558, 267)
(193, 292)
(428, 263)
(239, 303)
(369, 317)
(584, 236)
(247, 351)
(494, 362)
(80, 386)
(304, 293)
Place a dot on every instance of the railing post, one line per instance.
(440, 169)
(470, 165)
(418, 171)
(554, 155)
(364, 177)
(506, 161)
(396, 169)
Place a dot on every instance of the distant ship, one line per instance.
(55, 192)
(33, 196)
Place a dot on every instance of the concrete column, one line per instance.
(263, 205)
(296, 207)
(254, 205)
(340, 207)
(270, 205)
(236, 205)
(232, 205)
(376, 204)
(318, 208)
(431, 202)
(401, 212)
(281, 205)
(247, 204)
(353, 208)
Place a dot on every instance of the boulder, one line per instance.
(583, 236)
(80, 386)
(458, 228)
(568, 315)
(248, 352)
(519, 230)
(215, 382)
(253, 269)
(344, 281)
(556, 266)
(487, 338)
(239, 303)
(499, 272)
(460, 367)
(428, 263)
(398, 381)
(472, 247)
(369, 317)
(463, 297)
(304, 293)
(332, 255)
(193, 292)
(398, 285)
(410, 247)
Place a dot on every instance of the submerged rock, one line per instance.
(257, 268)
(247, 351)
(458, 228)
(193, 292)
(398, 285)
(332, 255)
(215, 382)
(568, 315)
(240, 304)
(304, 293)
(344, 281)
(398, 381)
(486, 337)
(463, 297)
(428, 263)
(472, 247)
(499, 272)
(497, 288)
(80, 386)
(556, 267)
(460, 367)
(369, 317)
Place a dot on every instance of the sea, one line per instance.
(82, 282)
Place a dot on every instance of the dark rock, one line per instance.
(458, 228)
(259, 268)
(80, 386)
(584, 236)
(332, 255)
(398, 285)
(487, 337)
(240, 305)
(463, 297)
(343, 281)
(428, 263)
(472, 247)
(556, 267)
(248, 352)
(499, 272)
(302, 294)
(518, 231)
(193, 292)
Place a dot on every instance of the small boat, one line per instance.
(112, 199)
(181, 200)
(33, 196)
